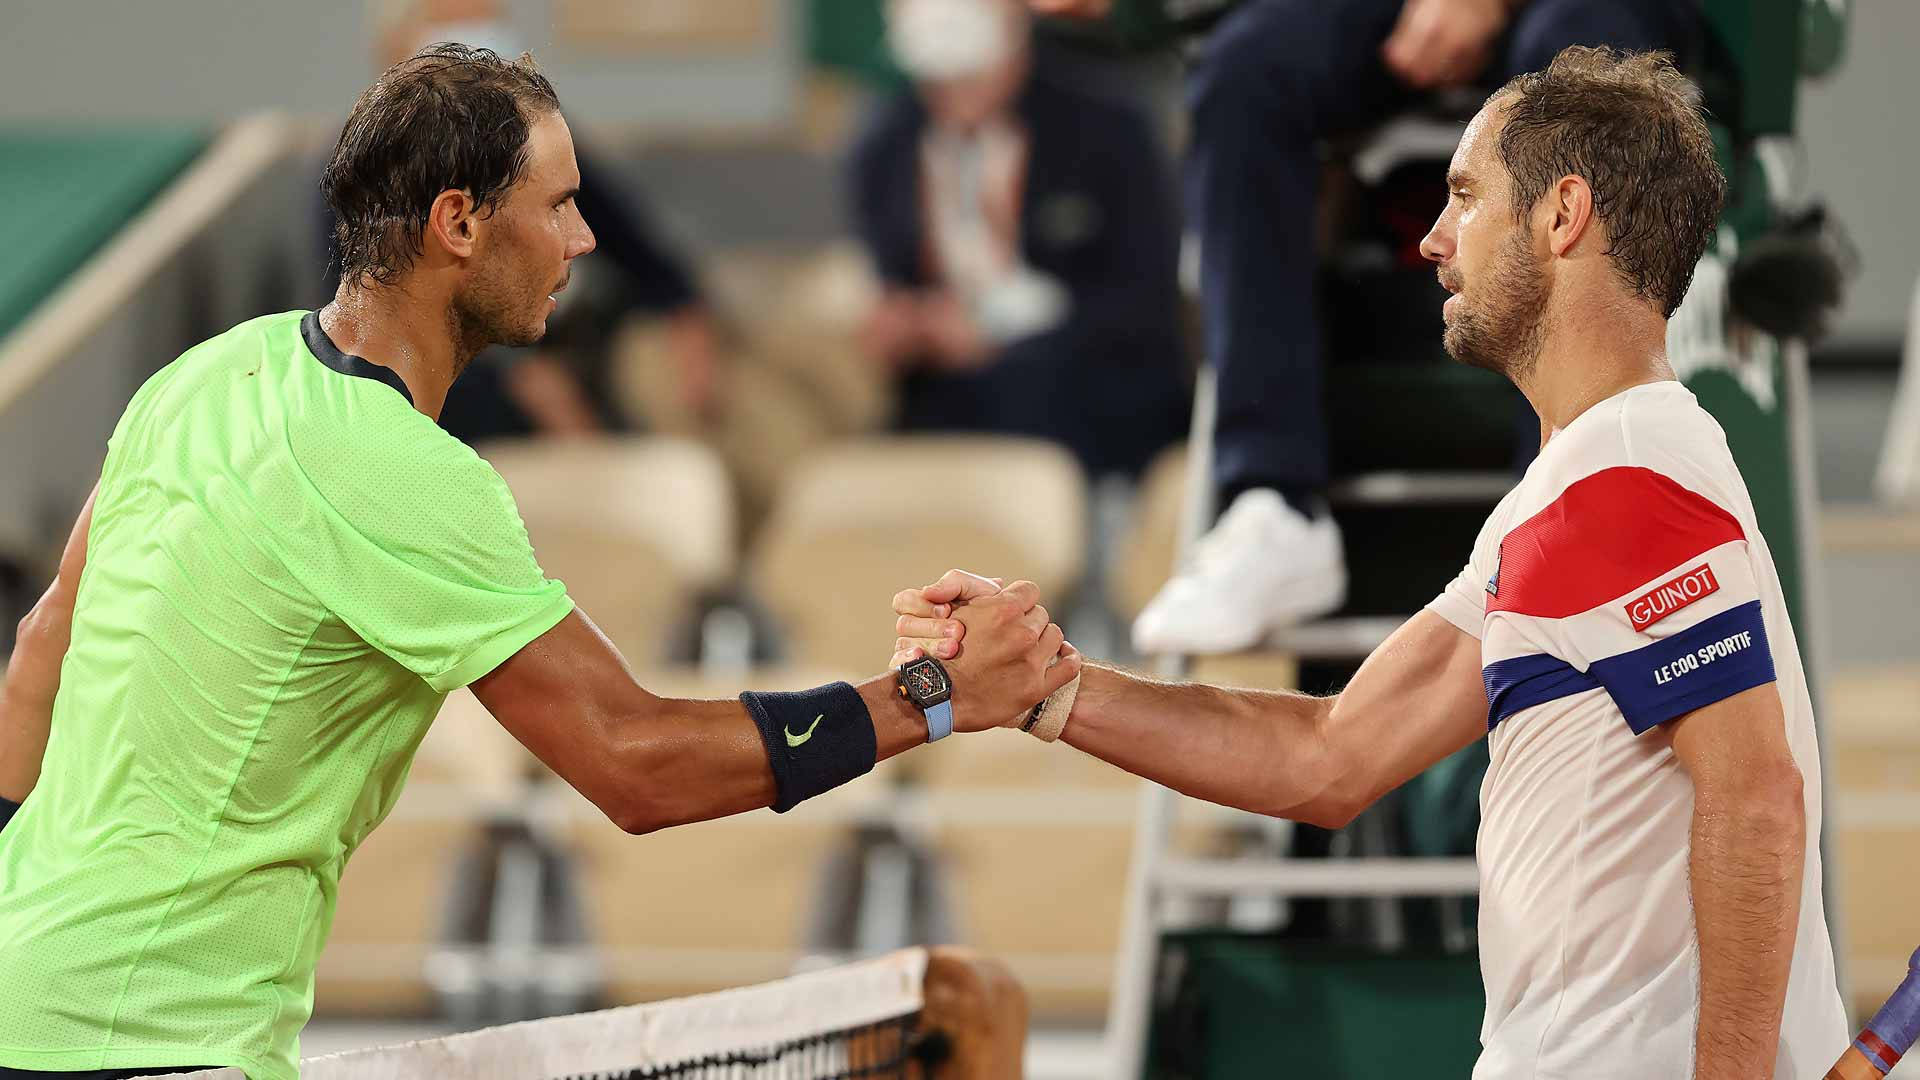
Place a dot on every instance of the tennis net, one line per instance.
(911, 1014)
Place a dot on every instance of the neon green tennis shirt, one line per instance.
(288, 569)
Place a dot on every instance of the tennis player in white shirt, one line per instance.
(1649, 859)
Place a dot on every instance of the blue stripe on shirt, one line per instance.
(1526, 681)
(1709, 661)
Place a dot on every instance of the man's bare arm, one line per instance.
(33, 674)
(1748, 849)
(649, 762)
(1417, 699)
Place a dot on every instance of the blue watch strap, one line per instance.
(940, 721)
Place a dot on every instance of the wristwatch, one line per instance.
(925, 683)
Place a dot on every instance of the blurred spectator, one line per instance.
(1023, 230)
(563, 386)
(1275, 78)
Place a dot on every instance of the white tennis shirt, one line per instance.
(1621, 584)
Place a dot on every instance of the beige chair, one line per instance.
(1036, 841)
(716, 904)
(635, 527)
(794, 379)
(858, 522)
(395, 888)
(1143, 555)
(1873, 807)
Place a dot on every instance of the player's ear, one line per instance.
(1570, 203)
(452, 223)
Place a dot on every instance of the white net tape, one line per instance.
(653, 1035)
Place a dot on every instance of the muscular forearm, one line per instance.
(678, 761)
(646, 761)
(1417, 699)
(1748, 844)
(1260, 751)
(706, 759)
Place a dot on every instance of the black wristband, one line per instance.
(816, 739)
(8, 806)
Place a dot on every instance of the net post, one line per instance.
(976, 1002)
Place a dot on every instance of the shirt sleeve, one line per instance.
(1464, 601)
(1635, 583)
(415, 543)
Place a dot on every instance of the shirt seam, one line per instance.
(293, 952)
(494, 651)
(213, 836)
(1573, 893)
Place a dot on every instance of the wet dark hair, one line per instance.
(447, 117)
(1630, 124)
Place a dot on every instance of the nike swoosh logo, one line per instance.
(797, 740)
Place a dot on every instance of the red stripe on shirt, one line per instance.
(1606, 534)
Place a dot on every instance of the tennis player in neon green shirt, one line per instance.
(287, 565)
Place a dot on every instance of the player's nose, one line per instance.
(1437, 245)
(582, 243)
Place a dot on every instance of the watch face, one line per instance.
(926, 682)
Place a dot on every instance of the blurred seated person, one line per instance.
(563, 385)
(1271, 81)
(1024, 235)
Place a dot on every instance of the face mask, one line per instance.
(492, 34)
(947, 39)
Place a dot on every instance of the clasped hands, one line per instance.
(1014, 654)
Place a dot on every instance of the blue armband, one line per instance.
(816, 739)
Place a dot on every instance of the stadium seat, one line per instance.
(1033, 843)
(637, 528)
(794, 376)
(858, 522)
(668, 912)
(396, 889)
(1144, 551)
(1873, 769)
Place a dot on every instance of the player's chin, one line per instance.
(530, 331)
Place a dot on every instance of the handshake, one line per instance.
(1001, 650)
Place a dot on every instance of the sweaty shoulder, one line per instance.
(407, 486)
(405, 533)
(1665, 429)
(1630, 564)
(1657, 428)
(1637, 484)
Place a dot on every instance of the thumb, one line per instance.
(1065, 669)
(960, 586)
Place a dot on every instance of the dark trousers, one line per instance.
(1114, 406)
(98, 1073)
(1275, 79)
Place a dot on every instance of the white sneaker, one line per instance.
(1264, 566)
